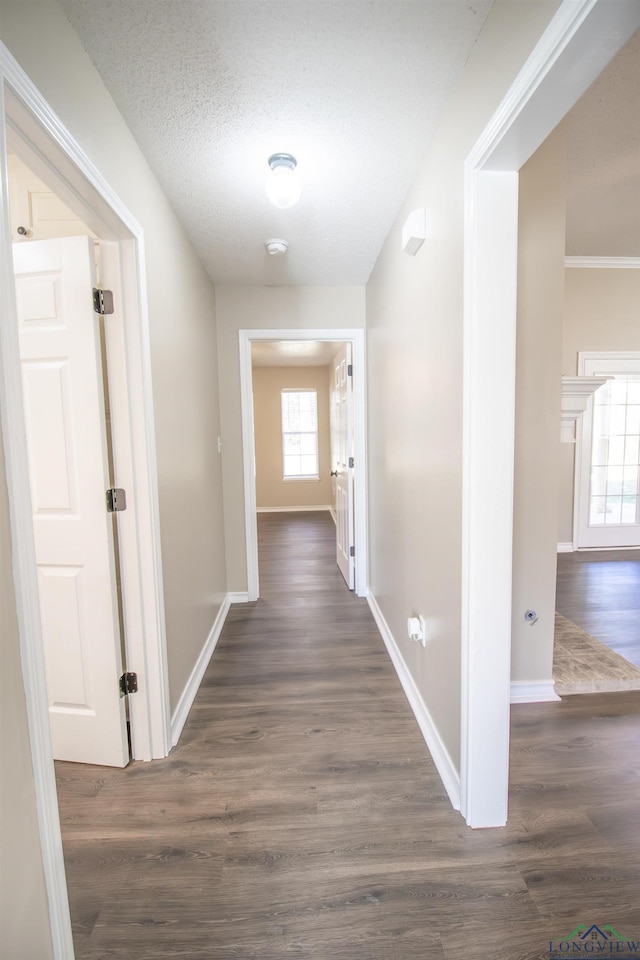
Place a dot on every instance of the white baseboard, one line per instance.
(238, 597)
(539, 691)
(565, 548)
(439, 753)
(181, 712)
(332, 511)
(322, 506)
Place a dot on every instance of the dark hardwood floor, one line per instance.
(301, 815)
(600, 591)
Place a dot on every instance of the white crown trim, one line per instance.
(606, 263)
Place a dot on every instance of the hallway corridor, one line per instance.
(300, 816)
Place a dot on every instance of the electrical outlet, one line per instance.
(416, 629)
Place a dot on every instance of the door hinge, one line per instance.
(352, 462)
(352, 551)
(128, 684)
(116, 500)
(102, 301)
(350, 370)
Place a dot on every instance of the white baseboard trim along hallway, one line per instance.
(181, 712)
(312, 507)
(565, 548)
(539, 691)
(238, 597)
(439, 753)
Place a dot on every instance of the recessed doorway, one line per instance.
(338, 384)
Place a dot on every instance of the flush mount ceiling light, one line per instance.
(276, 247)
(283, 185)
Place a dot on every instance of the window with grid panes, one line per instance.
(615, 456)
(299, 434)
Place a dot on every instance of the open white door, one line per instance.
(608, 461)
(343, 425)
(68, 467)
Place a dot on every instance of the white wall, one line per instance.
(414, 323)
(280, 308)
(601, 312)
(182, 328)
(541, 245)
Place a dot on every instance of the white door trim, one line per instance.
(357, 338)
(580, 40)
(29, 122)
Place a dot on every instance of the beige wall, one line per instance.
(414, 345)
(541, 245)
(271, 490)
(182, 329)
(279, 308)
(24, 911)
(601, 312)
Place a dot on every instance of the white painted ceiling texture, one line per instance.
(211, 88)
(293, 353)
(603, 137)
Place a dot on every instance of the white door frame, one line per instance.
(30, 126)
(580, 40)
(357, 338)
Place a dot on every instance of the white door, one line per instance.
(66, 438)
(343, 423)
(608, 462)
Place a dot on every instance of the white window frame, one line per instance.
(299, 476)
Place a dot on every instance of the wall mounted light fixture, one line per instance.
(283, 183)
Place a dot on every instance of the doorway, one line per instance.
(578, 43)
(30, 130)
(130, 414)
(303, 435)
(329, 341)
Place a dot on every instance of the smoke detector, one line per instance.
(276, 247)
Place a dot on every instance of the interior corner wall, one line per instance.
(24, 909)
(601, 312)
(541, 246)
(260, 308)
(414, 375)
(181, 303)
(272, 491)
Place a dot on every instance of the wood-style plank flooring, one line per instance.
(600, 591)
(301, 815)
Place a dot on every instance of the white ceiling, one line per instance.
(603, 129)
(293, 353)
(352, 88)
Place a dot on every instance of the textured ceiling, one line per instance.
(293, 353)
(603, 202)
(352, 88)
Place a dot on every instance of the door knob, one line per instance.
(334, 473)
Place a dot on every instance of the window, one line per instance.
(300, 434)
(615, 453)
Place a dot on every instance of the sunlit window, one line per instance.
(300, 434)
(615, 456)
